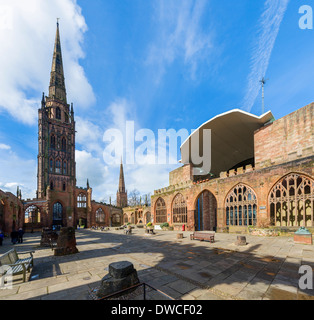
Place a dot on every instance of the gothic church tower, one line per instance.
(56, 133)
(122, 196)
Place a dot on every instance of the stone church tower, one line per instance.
(122, 196)
(56, 134)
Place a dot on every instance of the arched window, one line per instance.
(81, 200)
(161, 211)
(100, 216)
(52, 141)
(51, 165)
(51, 185)
(64, 167)
(63, 145)
(58, 113)
(57, 214)
(241, 206)
(179, 209)
(32, 215)
(64, 186)
(58, 166)
(291, 201)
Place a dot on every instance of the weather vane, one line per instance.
(263, 82)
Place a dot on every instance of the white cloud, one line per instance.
(4, 147)
(27, 40)
(270, 22)
(16, 171)
(180, 36)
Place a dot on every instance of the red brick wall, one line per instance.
(287, 139)
(181, 174)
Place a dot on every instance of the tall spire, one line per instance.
(121, 179)
(57, 83)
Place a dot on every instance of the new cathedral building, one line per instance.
(59, 202)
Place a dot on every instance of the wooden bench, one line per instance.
(18, 266)
(202, 236)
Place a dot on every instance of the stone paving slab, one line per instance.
(267, 268)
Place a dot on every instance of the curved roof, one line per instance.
(232, 139)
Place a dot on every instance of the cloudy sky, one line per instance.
(164, 64)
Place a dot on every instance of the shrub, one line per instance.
(165, 225)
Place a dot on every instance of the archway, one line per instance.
(57, 211)
(206, 212)
(291, 201)
(100, 216)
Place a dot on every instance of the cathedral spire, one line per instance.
(57, 83)
(121, 179)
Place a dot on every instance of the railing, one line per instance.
(137, 290)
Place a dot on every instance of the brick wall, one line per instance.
(180, 175)
(287, 139)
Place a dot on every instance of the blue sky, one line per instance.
(162, 63)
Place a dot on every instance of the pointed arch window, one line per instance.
(64, 167)
(58, 166)
(100, 216)
(52, 141)
(179, 209)
(51, 185)
(241, 206)
(291, 201)
(51, 165)
(63, 145)
(161, 211)
(58, 113)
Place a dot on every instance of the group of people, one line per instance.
(16, 236)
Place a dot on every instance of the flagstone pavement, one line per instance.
(265, 269)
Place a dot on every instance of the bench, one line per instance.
(18, 266)
(202, 236)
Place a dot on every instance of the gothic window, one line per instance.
(115, 219)
(161, 211)
(64, 167)
(64, 186)
(51, 185)
(58, 113)
(51, 165)
(52, 141)
(32, 215)
(291, 201)
(179, 210)
(57, 213)
(58, 166)
(63, 145)
(241, 206)
(100, 216)
(81, 200)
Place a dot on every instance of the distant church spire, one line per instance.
(121, 179)
(122, 197)
(57, 84)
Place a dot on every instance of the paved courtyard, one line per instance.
(267, 268)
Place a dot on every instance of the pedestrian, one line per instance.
(1, 237)
(14, 236)
(20, 235)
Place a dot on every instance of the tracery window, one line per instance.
(63, 145)
(81, 200)
(58, 166)
(52, 141)
(100, 216)
(58, 113)
(161, 211)
(32, 215)
(291, 201)
(179, 209)
(51, 165)
(241, 206)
